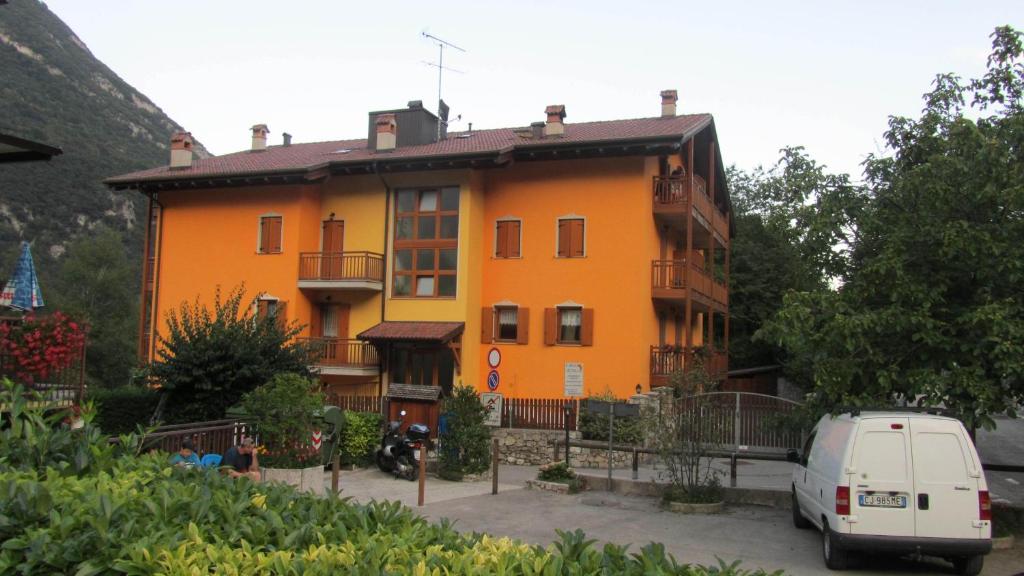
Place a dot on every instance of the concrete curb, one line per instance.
(760, 497)
(688, 508)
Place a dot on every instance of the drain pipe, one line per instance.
(384, 264)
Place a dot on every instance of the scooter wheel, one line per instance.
(382, 462)
(412, 471)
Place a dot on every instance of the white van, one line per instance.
(900, 482)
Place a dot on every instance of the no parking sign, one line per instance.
(493, 379)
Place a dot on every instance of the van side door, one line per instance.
(803, 481)
(882, 479)
(946, 479)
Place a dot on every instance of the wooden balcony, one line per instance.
(344, 357)
(671, 278)
(667, 360)
(341, 271)
(672, 205)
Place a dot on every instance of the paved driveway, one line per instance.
(758, 536)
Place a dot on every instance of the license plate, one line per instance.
(882, 501)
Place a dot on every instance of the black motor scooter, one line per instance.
(399, 453)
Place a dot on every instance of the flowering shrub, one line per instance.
(40, 346)
(284, 412)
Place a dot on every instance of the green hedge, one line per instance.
(359, 437)
(120, 410)
(594, 426)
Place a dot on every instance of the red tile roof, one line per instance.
(304, 157)
(437, 331)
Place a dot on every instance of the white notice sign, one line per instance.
(573, 379)
(492, 403)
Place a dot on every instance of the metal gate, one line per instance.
(744, 421)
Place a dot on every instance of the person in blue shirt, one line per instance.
(186, 457)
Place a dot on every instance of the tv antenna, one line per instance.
(442, 110)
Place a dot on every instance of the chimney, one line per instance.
(181, 150)
(537, 129)
(287, 139)
(668, 103)
(259, 137)
(387, 130)
(555, 125)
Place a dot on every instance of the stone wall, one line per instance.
(524, 447)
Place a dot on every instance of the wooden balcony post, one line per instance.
(688, 328)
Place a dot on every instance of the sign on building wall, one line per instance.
(492, 403)
(573, 381)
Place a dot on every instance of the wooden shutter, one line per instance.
(564, 238)
(523, 326)
(501, 241)
(550, 326)
(281, 315)
(264, 235)
(315, 326)
(577, 238)
(262, 306)
(587, 327)
(275, 234)
(514, 234)
(486, 325)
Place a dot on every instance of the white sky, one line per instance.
(825, 75)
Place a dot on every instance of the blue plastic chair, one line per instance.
(211, 460)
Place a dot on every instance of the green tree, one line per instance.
(466, 446)
(285, 410)
(97, 284)
(931, 306)
(788, 218)
(209, 359)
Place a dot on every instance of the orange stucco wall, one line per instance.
(614, 196)
(210, 237)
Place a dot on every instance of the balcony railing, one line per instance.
(669, 278)
(343, 352)
(341, 266)
(665, 360)
(672, 192)
(673, 189)
(668, 274)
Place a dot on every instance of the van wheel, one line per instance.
(798, 519)
(968, 565)
(834, 553)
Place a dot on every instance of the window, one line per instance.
(426, 242)
(507, 239)
(272, 307)
(505, 323)
(270, 235)
(571, 238)
(569, 324)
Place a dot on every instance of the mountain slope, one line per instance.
(55, 91)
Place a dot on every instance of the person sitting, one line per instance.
(241, 461)
(186, 456)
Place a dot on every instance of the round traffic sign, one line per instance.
(494, 358)
(493, 380)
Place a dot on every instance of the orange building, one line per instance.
(549, 260)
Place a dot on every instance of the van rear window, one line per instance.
(939, 458)
(882, 456)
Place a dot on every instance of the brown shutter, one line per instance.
(275, 235)
(486, 325)
(261, 308)
(577, 238)
(315, 326)
(587, 327)
(550, 326)
(514, 233)
(264, 235)
(282, 314)
(564, 238)
(501, 241)
(523, 326)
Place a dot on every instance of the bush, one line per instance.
(466, 446)
(284, 411)
(594, 426)
(556, 472)
(121, 410)
(209, 359)
(132, 514)
(39, 347)
(359, 437)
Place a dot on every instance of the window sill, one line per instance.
(569, 344)
(422, 297)
(584, 257)
(513, 342)
(269, 253)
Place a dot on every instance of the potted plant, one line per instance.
(284, 412)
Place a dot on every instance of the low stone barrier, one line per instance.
(525, 447)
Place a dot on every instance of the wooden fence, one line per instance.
(211, 437)
(742, 421)
(539, 413)
(357, 403)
